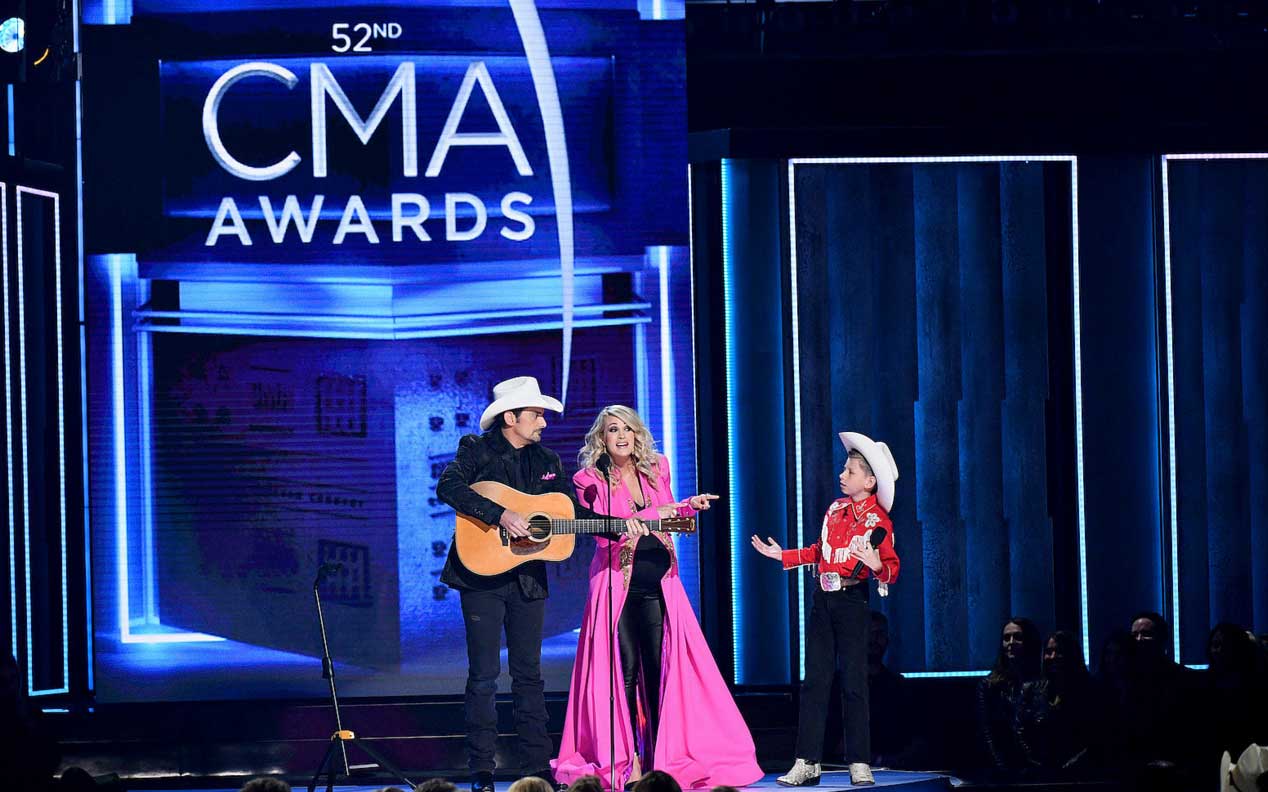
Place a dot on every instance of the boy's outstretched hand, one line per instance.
(771, 550)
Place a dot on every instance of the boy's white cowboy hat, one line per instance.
(514, 394)
(881, 462)
(1246, 775)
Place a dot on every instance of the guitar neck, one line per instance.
(611, 525)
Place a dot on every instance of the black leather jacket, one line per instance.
(533, 469)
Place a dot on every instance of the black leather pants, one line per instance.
(640, 633)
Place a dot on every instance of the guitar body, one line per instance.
(482, 547)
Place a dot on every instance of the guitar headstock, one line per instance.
(679, 524)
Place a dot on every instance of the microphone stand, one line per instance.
(604, 464)
(329, 764)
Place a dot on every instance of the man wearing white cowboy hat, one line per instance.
(851, 548)
(509, 452)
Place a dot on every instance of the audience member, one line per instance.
(657, 781)
(1109, 732)
(436, 785)
(999, 694)
(1234, 691)
(532, 784)
(266, 785)
(1159, 692)
(896, 739)
(586, 783)
(1057, 709)
(717, 789)
(27, 752)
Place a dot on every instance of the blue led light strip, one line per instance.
(115, 263)
(794, 539)
(13, 143)
(640, 360)
(61, 437)
(1171, 418)
(1078, 408)
(405, 322)
(8, 416)
(691, 264)
(667, 438)
(144, 361)
(1078, 365)
(450, 332)
(733, 473)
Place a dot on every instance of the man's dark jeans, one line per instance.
(487, 614)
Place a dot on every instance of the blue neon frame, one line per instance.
(1078, 372)
(1174, 524)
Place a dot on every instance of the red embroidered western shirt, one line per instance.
(845, 520)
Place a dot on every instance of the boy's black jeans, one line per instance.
(837, 632)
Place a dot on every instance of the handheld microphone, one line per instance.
(328, 569)
(878, 536)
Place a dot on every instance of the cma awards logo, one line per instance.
(466, 217)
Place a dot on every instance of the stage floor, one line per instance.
(832, 781)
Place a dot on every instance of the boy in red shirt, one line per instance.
(851, 549)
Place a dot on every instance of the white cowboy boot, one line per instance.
(803, 773)
(861, 774)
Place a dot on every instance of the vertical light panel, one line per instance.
(13, 144)
(1171, 419)
(8, 417)
(1078, 376)
(19, 192)
(1174, 523)
(691, 265)
(83, 346)
(115, 264)
(733, 475)
(149, 620)
(641, 394)
(796, 362)
(1078, 408)
(144, 357)
(668, 442)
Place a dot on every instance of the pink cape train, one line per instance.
(702, 740)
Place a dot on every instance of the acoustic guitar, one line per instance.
(490, 550)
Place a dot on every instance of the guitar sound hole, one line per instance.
(538, 538)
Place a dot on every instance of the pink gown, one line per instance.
(702, 739)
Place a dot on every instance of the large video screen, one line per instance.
(354, 221)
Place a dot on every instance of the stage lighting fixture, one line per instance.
(12, 34)
(36, 41)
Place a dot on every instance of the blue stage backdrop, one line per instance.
(1217, 333)
(360, 219)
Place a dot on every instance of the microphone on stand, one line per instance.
(878, 536)
(325, 570)
(604, 465)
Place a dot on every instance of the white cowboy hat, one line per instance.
(514, 394)
(881, 462)
(1246, 774)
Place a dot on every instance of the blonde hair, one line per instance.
(644, 452)
(531, 784)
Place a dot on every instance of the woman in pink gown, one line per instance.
(664, 677)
